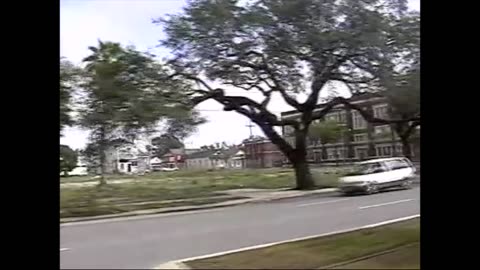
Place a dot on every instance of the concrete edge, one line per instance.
(181, 263)
(66, 221)
(150, 213)
(173, 265)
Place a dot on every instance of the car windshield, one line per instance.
(366, 168)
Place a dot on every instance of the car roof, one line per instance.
(382, 160)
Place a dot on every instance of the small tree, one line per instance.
(326, 132)
(125, 97)
(68, 159)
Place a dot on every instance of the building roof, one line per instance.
(201, 154)
(218, 153)
(192, 150)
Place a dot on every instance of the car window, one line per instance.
(367, 168)
(397, 164)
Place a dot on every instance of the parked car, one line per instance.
(78, 171)
(374, 175)
(168, 169)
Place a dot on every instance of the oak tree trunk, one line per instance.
(406, 151)
(299, 161)
(103, 159)
(303, 175)
(297, 156)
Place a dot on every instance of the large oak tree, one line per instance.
(288, 47)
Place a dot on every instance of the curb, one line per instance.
(173, 265)
(65, 221)
(145, 213)
(181, 262)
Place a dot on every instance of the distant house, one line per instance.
(232, 158)
(175, 158)
(262, 153)
(155, 164)
(129, 161)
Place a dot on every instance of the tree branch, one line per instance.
(341, 77)
(322, 76)
(272, 76)
(255, 111)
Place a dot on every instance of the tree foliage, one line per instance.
(68, 159)
(326, 131)
(290, 47)
(69, 77)
(403, 95)
(164, 143)
(125, 95)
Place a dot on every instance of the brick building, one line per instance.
(361, 140)
(261, 153)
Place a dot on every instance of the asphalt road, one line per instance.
(145, 242)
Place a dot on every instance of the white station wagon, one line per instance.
(376, 174)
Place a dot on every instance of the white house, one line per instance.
(231, 158)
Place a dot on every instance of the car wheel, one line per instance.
(371, 188)
(407, 184)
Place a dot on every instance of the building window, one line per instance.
(342, 117)
(383, 129)
(333, 116)
(380, 111)
(384, 151)
(361, 152)
(341, 153)
(330, 153)
(338, 116)
(358, 121)
(383, 132)
(310, 155)
(360, 137)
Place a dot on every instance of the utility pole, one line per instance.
(250, 126)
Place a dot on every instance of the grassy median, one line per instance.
(403, 258)
(331, 250)
(161, 190)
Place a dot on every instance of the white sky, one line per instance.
(83, 22)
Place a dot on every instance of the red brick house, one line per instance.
(261, 153)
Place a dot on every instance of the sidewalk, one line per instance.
(255, 196)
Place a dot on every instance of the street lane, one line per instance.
(145, 243)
